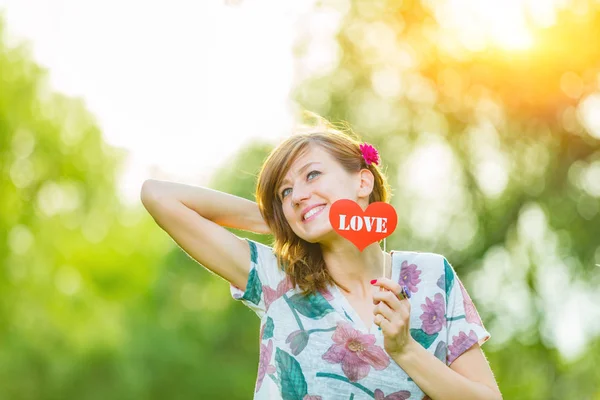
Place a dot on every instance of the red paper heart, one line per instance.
(360, 227)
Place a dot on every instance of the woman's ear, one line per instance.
(367, 181)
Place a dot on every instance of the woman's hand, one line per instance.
(392, 315)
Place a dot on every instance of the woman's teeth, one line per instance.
(313, 212)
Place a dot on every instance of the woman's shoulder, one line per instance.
(260, 250)
(421, 256)
(427, 266)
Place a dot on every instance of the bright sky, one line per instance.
(179, 84)
(183, 84)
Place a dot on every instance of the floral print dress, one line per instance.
(317, 347)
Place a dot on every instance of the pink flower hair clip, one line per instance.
(369, 153)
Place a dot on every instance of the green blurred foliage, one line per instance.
(96, 302)
(490, 165)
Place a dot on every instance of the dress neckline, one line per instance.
(341, 304)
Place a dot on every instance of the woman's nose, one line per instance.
(300, 193)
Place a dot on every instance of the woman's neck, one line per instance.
(353, 270)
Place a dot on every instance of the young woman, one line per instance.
(328, 329)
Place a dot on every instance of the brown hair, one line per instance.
(303, 261)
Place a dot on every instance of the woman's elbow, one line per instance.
(148, 191)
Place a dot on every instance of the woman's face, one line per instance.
(314, 182)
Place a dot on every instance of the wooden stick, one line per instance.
(384, 257)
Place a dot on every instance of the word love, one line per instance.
(362, 228)
(356, 223)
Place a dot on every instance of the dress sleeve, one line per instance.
(264, 279)
(464, 326)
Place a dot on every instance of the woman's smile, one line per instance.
(313, 213)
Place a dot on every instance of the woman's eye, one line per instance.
(313, 173)
(285, 192)
(309, 176)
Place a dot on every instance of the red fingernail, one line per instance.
(373, 281)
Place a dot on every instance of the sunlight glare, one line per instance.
(486, 23)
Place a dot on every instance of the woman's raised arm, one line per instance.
(195, 218)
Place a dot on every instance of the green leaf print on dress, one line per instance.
(423, 338)
(449, 277)
(253, 251)
(253, 288)
(312, 306)
(269, 327)
(291, 378)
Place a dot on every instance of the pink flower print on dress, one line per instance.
(356, 352)
(433, 316)
(401, 395)
(264, 367)
(472, 316)
(460, 344)
(409, 276)
(271, 295)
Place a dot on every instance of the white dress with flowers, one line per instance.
(317, 347)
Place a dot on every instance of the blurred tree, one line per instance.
(72, 256)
